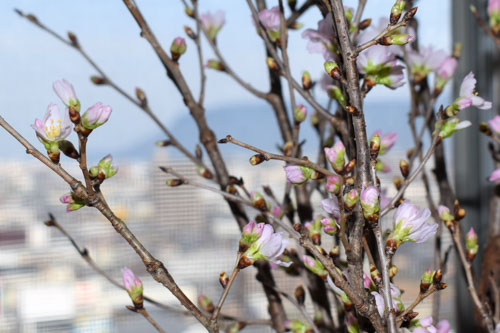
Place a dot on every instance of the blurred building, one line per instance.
(46, 287)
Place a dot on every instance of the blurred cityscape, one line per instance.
(45, 286)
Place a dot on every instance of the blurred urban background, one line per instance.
(45, 286)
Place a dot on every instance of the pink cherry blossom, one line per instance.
(495, 176)
(331, 206)
(52, 128)
(96, 115)
(495, 124)
(468, 97)
(410, 223)
(212, 23)
(64, 90)
(322, 39)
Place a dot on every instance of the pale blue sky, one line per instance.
(31, 60)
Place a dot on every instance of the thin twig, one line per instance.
(417, 301)
(485, 27)
(390, 28)
(218, 308)
(148, 317)
(107, 80)
(269, 156)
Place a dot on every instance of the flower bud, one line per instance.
(314, 230)
(375, 275)
(485, 128)
(178, 48)
(258, 201)
(334, 92)
(314, 118)
(438, 275)
(370, 203)
(398, 39)
(278, 211)
(447, 218)
(300, 295)
(272, 64)
(351, 199)
(336, 156)
(398, 182)
(235, 327)
(374, 146)
(306, 81)
(189, 12)
(458, 211)
(68, 149)
(215, 64)
(404, 167)
(189, 32)
(73, 39)
(333, 184)
(298, 174)
(204, 172)
(365, 24)
(104, 169)
(250, 233)
(72, 201)
(257, 159)
(334, 252)
(97, 80)
(96, 116)
(314, 266)
(288, 148)
(350, 166)
(141, 96)
(330, 226)
(206, 303)
(174, 182)
(163, 143)
(393, 271)
(299, 113)
(296, 326)
(64, 90)
(426, 280)
(133, 286)
(223, 279)
(471, 244)
(396, 11)
(333, 70)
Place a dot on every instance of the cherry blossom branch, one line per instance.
(336, 122)
(227, 69)
(467, 270)
(484, 26)
(301, 308)
(83, 252)
(435, 142)
(290, 21)
(153, 265)
(75, 184)
(362, 305)
(107, 80)
(269, 156)
(357, 17)
(218, 308)
(148, 317)
(390, 28)
(197, 40)
(417, 301)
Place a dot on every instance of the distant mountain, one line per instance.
(256, 125)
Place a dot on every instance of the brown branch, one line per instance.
(417, 301)
(296, 14)
(218, 308)
(467, 270)
(390, 28)
(357, 18)
(485, 27)
(148, 317)
(75, 185)
(269, 156)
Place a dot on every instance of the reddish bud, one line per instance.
(300, 295)
(223, 279)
